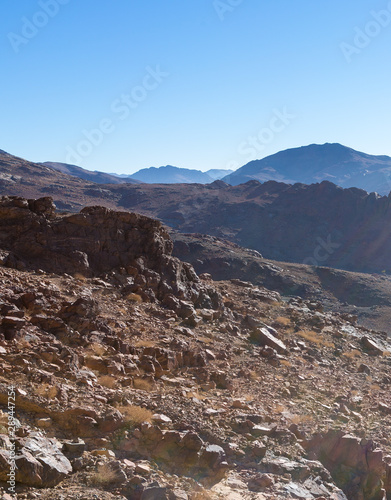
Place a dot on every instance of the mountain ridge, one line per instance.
(342, 165)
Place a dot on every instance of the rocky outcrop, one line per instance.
(133, 249)
(355, 464)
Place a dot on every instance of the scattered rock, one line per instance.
(372, 346)
(263, 337)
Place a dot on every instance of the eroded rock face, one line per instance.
(356, 465)
(97, 241)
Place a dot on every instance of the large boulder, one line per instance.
(38, 461)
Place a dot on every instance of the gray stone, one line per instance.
(263, 337)
(297, 491)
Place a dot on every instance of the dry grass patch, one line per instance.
(135, 415)
(283, 321)
(135, 298)
(145, 343)
(104, 475)
(254, 375)
(301, 419)
(205, 340)
(98, 349)
(143, 385)
(279, 408)
(107, 381)
(46, 391)
(195, 394)
(248, 397)
(355, 353)
(314, 337)
(80, 277)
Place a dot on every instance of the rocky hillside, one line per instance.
(364, 296)
(136, 379)
(316, 163)
(20, 177)
(320, 224)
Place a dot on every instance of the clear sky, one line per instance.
(127, 84)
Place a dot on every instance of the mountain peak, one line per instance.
(315, 163)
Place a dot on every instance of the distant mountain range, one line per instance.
(315, 163)
(308, 165)
(176, 175)
(152, 175)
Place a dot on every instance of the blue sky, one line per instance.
(122, 85)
